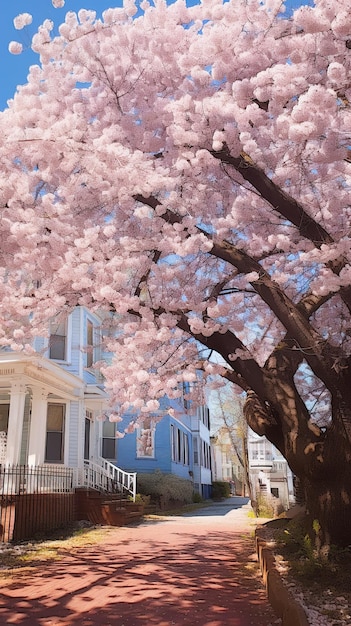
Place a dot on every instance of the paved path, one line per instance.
(193, 570)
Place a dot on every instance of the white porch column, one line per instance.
(37, 428)
(15, 428)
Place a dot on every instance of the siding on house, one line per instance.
(128, 459)
(73, 435)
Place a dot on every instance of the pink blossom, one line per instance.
(22, 20)
(135, 164)
(15, 47)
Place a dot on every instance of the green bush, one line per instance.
(140, 499)
(197, 497)
(165, 490)
(267, 505)
(220, 489)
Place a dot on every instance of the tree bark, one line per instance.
(328, 507)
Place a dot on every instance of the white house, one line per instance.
(51, 402)
(269, 470)
(225, 464)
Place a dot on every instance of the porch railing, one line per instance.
(40, 498)
(20, 479)
(34, 499)
(106, 477)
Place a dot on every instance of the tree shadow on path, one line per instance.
(152, 575)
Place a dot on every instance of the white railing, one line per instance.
(44, 479)
(104, 476)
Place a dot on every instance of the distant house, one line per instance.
(225, 464)
(269, 470)
(176, 440)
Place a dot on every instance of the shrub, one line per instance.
(220, 489)
(140, 499)
(197, 497)
(165, 490)
(268, 506)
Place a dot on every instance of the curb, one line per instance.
(281, 600)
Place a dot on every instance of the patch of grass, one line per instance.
(186, 508)
(26, 555)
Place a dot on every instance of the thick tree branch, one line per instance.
(284, 204)
(317, 352)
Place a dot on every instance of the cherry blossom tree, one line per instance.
(186, 171)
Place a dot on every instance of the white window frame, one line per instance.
(68, 347)
(63, 434)
(92, 354)
(141, 432)
(108, 437)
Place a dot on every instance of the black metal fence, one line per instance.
(34, 500)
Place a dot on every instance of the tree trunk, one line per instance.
(319, 458)
(328, 506)
(247, 478)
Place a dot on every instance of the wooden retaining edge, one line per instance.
(283, 603)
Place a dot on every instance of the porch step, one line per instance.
(109, 515)
(105, 510)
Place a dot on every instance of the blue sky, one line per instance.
(14, 68)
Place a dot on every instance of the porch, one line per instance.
(38, 499)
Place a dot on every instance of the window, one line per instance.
(196, 451)
(180, 445)
(205, 455)
(173, 443)
(185, 449)
(109, 440)
(58, 341)
(206, 417)
(186, 392)
(145, 443)
(90, 343)
(54, 433)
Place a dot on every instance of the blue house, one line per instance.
(176, 440)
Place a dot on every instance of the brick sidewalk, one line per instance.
(185, 571)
